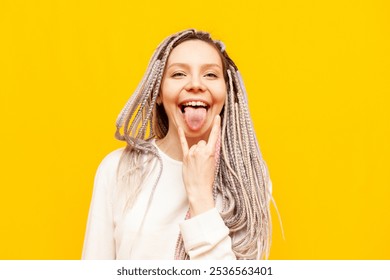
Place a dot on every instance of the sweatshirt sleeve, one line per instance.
(99, 240)
(207, 237)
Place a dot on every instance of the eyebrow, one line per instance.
(186, 65)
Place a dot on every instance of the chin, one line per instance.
(202, 133)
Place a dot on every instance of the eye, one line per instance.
(178, 75)
(211, 75)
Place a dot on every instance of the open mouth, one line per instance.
(193, 104)
(194, 114)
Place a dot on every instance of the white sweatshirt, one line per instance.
(114, 234)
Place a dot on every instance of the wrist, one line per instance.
(201, 205)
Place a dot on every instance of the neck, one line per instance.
(171, 145)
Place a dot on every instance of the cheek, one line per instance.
(166, 93)
(171, 87)
(220, 95)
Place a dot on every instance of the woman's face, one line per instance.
(193, 88)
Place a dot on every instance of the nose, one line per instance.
(195, 84)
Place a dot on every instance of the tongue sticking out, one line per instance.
(195, 117)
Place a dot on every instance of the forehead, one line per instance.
(195, 52)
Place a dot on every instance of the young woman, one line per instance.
(191, 182)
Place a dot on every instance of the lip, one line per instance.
(180, 105)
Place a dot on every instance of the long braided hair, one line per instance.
(241, 177)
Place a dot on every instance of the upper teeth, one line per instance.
(195, 103)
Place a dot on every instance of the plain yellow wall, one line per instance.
(317, 74)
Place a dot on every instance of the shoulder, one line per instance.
(112, 158)
(108, 166)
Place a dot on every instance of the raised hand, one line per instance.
(199, 163)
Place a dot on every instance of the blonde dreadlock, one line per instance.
(241, 175)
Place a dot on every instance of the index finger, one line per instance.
(183, 141)
(214, 134)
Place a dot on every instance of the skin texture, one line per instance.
(195, 77)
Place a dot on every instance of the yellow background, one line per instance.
(317, 74)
